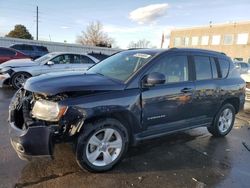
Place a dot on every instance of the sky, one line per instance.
(124, 21)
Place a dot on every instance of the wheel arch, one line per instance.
(130, 122)
(234, 101)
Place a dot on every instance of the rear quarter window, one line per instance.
(42, 49)
(6, 52)
(224, 67)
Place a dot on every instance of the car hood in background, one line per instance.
(56, 83)
(18, 63)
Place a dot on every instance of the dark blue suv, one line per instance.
(129, 97)
(33, 51)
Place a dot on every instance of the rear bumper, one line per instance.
(31, 143)
(3, 79)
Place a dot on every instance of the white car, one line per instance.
(15, 72)
(246, 77)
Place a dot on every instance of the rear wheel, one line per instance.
(223, 121)
(101, 145)
(19, 79)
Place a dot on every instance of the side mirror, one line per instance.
(154, 78)
(50, 63)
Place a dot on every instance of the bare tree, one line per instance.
(95, 36)
(143, 43)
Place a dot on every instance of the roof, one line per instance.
(156, 51)
(212, 25)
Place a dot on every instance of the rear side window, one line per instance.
(174, 68)
(27, 47)
(6, 52)
(224, 67)
(202, 68)
(86, 60)
(17, 47)
(214, 68)
(42, 49)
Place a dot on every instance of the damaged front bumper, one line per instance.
(32, 138)
(31, 143)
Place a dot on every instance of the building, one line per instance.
(230, 38)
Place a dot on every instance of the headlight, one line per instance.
(48, 111)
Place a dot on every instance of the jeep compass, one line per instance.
(131, 96)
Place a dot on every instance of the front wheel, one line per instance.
(19, 79)
(101, 145)
(223, 121)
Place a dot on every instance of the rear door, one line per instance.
(82, 63)
(167, 106)
(207, 91)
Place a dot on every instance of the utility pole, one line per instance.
(36, 22)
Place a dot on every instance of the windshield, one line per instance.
(45, 58)
(122, 65)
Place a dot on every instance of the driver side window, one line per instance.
(175, 68)
(63, 59)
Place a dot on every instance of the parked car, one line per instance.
(242, 66)
(99, 56)
(244, 69)
(131, 96)
(7, 54)
(33, 51)
(246, 78)
(16, 72)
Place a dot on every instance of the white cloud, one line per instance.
(149, 14)
(64, 27)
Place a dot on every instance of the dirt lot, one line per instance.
(188, 159)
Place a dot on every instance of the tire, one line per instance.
(94, 150)
(22, 76)
(222, 123)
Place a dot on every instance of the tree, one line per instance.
(95, 36)
(20, 31)
(143, 43)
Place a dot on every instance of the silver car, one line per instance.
(15, 72)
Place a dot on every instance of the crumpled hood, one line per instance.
(55, 83)
(18, 63)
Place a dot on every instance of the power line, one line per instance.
(36, 22)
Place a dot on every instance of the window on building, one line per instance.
(202, 68)
(186, 41)
(228, 39)
(204, 40)
(195, 41)
(242, 38)
(177, 41)
(216, 40)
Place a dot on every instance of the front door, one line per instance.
(61, 63)
(169, 105)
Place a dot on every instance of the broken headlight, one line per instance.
(48, 111)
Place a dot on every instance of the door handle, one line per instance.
(186, 90)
